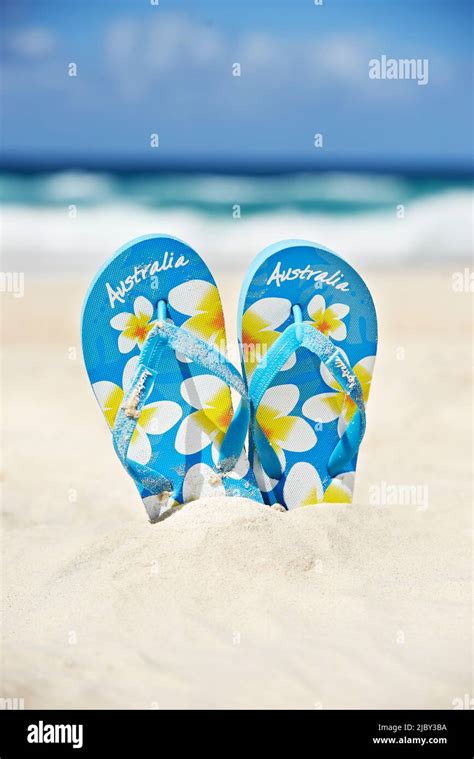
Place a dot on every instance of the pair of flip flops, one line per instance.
(154, 345)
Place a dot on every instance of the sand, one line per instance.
(226, 603)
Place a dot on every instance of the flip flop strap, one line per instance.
(304, 335)
(161, 336)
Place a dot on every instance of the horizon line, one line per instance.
(237, 166)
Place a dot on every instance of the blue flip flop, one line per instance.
(308, 340)
(154, 342)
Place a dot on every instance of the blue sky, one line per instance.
(167, 69)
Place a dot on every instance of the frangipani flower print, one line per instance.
(200, 301)
(264, 482)
(211, 398)
(201, 481)
(159, 504)
(328, 320)
(326, 407)
(259, 324)
(303, 487)
(155, 418)
(134, 328)
(284, 432)
(347, 479)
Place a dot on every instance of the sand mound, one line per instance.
(230, 604)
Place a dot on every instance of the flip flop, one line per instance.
(308, 340)
(153, 339)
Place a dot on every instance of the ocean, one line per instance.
(71, 221)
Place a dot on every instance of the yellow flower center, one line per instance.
(138, 327)
(276, 428)
(141, 332)
(217, 320)
(323, 327)
(325, 321)
(256, 339)
(311, 498)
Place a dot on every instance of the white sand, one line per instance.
(227, 603)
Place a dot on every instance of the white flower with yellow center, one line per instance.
(208, 423)
(303, 487)
(326, 407)
(155, 418)
(328, 320)
(283, 431)
(259, 330)
(134, 328)
(200, 301)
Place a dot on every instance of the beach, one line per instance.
(226, 603)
